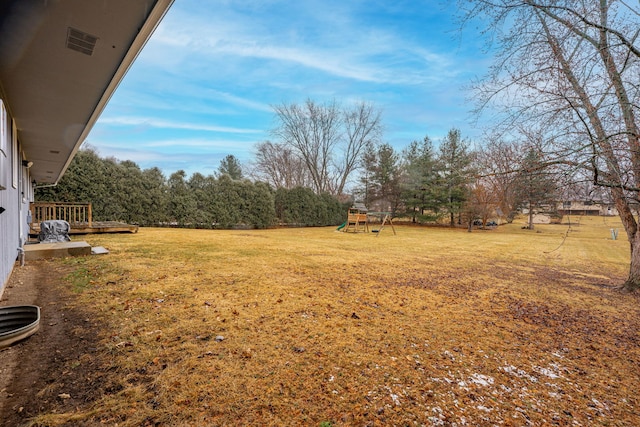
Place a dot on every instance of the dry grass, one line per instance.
(430, 327)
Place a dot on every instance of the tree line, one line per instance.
(458, 184)
(121, 191)
(329, 148)
(452, 183)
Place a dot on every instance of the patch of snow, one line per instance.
(395, 398)
(435, 421)
(546, 372)
(480, 379)
(600, 404)
(518, 373)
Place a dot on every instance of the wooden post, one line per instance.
(387, 219)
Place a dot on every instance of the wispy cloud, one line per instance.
(375, 55)
(241, 101)
(166, 124)
(198, 143)
(204, 85)
(189, 154)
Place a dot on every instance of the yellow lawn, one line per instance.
(310, 326)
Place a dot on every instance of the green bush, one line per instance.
(300, 206)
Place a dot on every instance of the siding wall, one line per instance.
(15, 180)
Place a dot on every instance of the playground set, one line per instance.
(358, 221)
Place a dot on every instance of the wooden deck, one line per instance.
(79, 217)
(104, 227)
(96, 227)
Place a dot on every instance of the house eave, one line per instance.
(155, 17)
(54, 92)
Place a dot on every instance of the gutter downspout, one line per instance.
(21, 256)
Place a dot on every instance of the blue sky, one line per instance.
(204, 85)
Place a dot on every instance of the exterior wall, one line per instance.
(15, 194)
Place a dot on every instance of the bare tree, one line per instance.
(572, 67)
(481, 204)
(362, 128)
(498, 162)
(279, 166)
(328, 139)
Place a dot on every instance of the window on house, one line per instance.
(25, 187)
(566, 205)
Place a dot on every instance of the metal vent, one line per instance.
(81, 41)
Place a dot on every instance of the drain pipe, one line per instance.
(21, 256)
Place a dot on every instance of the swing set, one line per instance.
(358, 221)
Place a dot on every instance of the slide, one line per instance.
(342, 226)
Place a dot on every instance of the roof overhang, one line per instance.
(60, 62)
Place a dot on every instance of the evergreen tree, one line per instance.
(420, 194)
(261, 212)
(126, 180)
(456, 173)
(300, 206)
(119, 190)
(381, 178)
(365, 192)
(230, 166)
(87, 180)
(183, 204)
(153, 188)
(386, 179)
(229, 202)
(335, 210)
(197, 185)
(297, 206)
(535, 185)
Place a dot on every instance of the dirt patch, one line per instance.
(53, 370)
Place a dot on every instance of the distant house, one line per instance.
(586, 208)
(548, 215)
(60, 62)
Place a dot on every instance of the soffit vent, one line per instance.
(80, 41)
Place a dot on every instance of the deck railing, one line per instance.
(76, 214)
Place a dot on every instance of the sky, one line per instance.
(205, 84)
